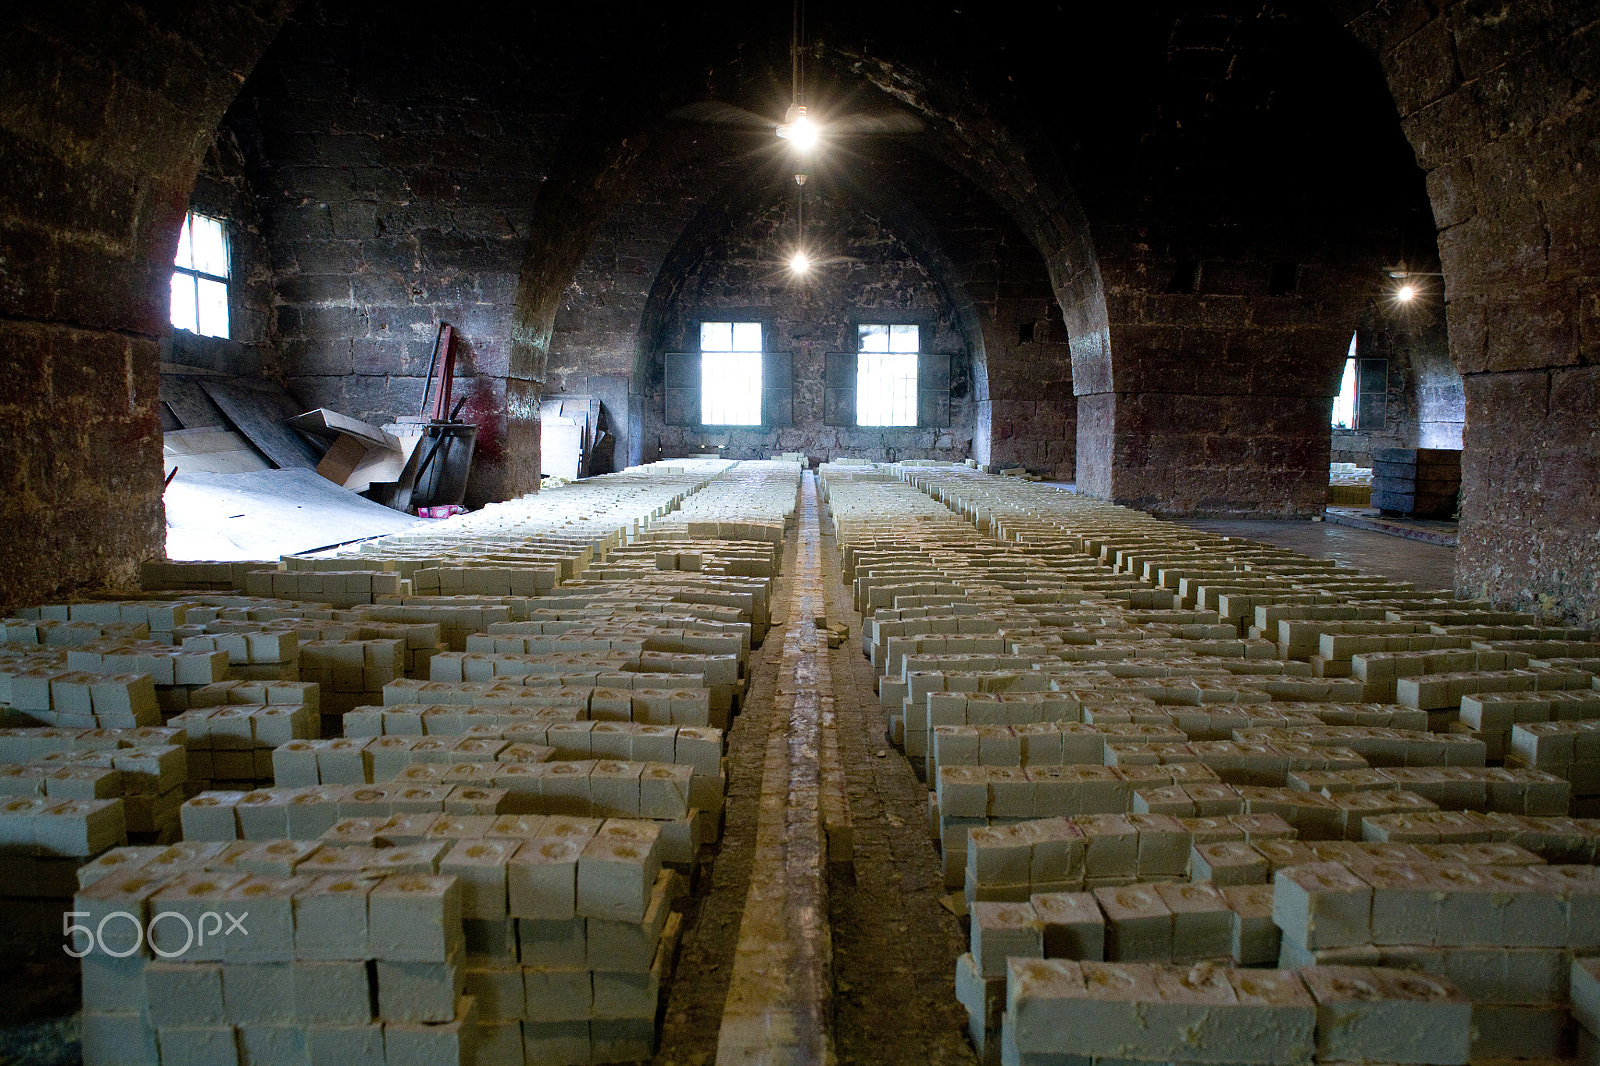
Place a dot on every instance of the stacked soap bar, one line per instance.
(1334, 905)
(351, 673)
(422, 640)
(1041, 743)
(668, 699)
(231, 745)
(144, 768)
(81, 699)
(308, 813)
(386, 814)
(650, 698)
(596, 787)
(484, 579)
(1208, 1014)
(195, 574)
(721, 673)
(1558, 839)
(1380, 747)
(456, 617)
(43, 838)
(1568, 748)
(1490, 716)
(1445, 691)
(272, 693)
(253, 654)
(1505, 934)
(342, 967)
(1156, 1013)
(1219, 721)
(359, 760)
(30, 628)
(528, 738)
(340, 588)
(573, 935)
(149, 779)
(559, 931)
(1164, 922)
(1469, 788)
(176, 673)
(569, 736)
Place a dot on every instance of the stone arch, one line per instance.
(619, 157)
(740, 195)
(107, 117)
(1497, 103)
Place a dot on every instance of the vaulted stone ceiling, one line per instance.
(1131, 177)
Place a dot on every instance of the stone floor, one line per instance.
(1431, 566)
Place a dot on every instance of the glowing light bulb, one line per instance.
(800, 263)
(798, 130)
(1405, 293)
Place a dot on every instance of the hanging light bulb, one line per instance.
(800, 263)
(1406, 293)
(798, 129)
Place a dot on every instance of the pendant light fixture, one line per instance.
(801, 132)
(797, 128)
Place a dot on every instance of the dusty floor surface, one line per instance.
(1431, 566)
(894, 944)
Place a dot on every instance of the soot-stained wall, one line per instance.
(606, 334)
(223, 190)
(864, 273)
(397, 173)
(107, 115)
(1498, 103)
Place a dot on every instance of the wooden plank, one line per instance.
(326, 423)
(189, 403)
(239, 462)
(560, 447)
(206, 439)
(254, 413)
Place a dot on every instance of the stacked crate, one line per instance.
(1416, 482)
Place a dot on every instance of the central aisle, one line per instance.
(788, 960)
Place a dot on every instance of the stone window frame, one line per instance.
(225, 280)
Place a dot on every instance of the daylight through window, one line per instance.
(200, 277)
(886, 376)
(1344, 405)
(730, 373)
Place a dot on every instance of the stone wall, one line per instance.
(397, 173)
(685, 191)
(105, 120)
(1498, 104)
(1236, 259)
(1424, 405)
(223, 190)
(864, 274)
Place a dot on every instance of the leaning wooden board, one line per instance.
(254, 413)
